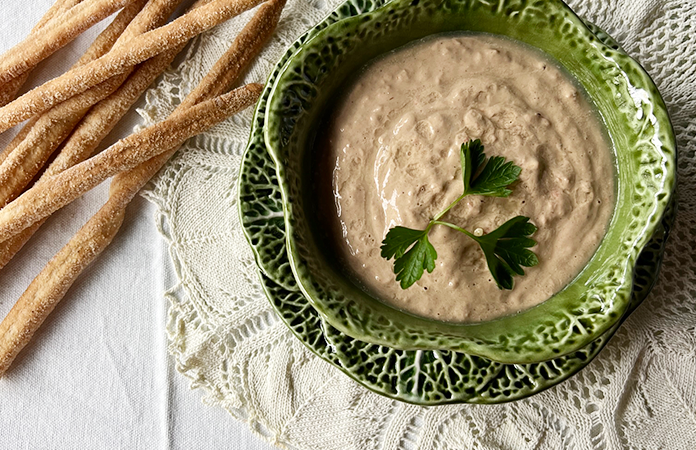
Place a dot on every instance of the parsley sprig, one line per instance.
(506, 249)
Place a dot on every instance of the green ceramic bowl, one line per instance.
(625, 97)
(424, 377)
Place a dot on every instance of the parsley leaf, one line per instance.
(507, 250)
(409, 268)
(492, 180)
(398, 240)
(471, 157)
(409, 265)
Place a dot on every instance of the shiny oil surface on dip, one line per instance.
(391, 157)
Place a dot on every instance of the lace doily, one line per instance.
(640, 392)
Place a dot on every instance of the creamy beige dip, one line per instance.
(393, 157)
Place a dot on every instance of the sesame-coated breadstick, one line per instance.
(120, 59)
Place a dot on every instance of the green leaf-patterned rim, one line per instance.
(626, 98)
(382, 369)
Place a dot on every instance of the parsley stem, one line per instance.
(446, 210)
(454, 227)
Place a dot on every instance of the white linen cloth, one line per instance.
(98, 372)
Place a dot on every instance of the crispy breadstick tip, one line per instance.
(44, 293)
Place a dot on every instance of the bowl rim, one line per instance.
(505, 343)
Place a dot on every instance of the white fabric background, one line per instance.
(98, 375)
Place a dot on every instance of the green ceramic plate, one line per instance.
(423, 377)
(624, 95)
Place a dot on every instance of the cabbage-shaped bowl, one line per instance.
(623, 94)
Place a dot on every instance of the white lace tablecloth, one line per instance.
(98, 374)
(639, 393)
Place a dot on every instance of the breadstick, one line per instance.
(245, 47)
(48, 196)
(9, 90)
(220, 78)
(94, 127)
(131, 21)
(34, 305)
(104, 116)
(30, 150)
(104, 41)
(45, 292)
(49, 287)
(102, 44)
(38, 46)
(44, 136)
(153, 15)
(134, 52)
